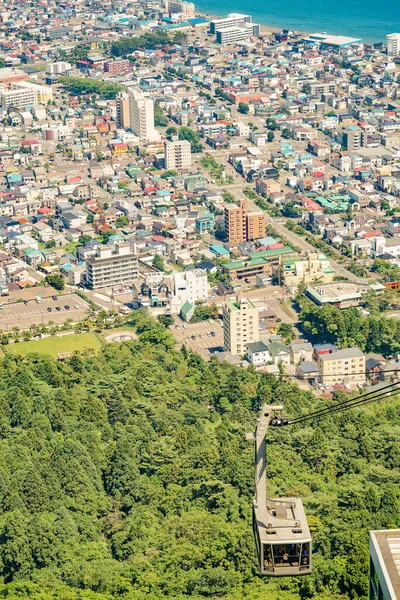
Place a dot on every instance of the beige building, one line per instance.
(135, 111)
(316, 268)
(178, 155)
(241, 325)
(186, 9)
(343, 366)
(108, 268)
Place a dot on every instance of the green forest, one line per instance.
(126, 474)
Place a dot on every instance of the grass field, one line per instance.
(53, 346)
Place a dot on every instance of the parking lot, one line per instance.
(33, 313)
(204, 345)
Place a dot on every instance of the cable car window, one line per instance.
(268, 560)
(305, 555)
(287, 555)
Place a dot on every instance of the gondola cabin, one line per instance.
(281, 532)
(282, 537)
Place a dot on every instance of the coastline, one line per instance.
(331, 26)
(264, 28)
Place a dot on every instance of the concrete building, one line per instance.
(141, 116)
(58, 68)
(178, 155)
(243, 226)
(191, 286)
(231, 35)
(240, 325)
(233, 19)
(9, 75)
(17, 98)
(122, 106)
(393, 44)
(108, 268)
(342, 366)
(24, 93)
(186, 9)
(384, 570)
(353, 138)
(315, 268)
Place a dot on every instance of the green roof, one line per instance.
(186, 308)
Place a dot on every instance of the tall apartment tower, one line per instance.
(123, 117)
(393, 44)
(141, 111)
(241, 325)
(243, 226)
(178, 155)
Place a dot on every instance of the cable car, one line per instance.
(281, 532)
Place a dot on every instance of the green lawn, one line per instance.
(54, 346)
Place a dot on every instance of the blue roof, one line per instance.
(218, 249)
(267, 241)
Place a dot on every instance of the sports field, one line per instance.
(53, 346)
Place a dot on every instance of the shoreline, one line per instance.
(265, 28)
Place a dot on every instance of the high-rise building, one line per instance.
(384, 570)
(243, 226)
(141, 113)
(108, 268)
(393, 44)
(241, 325)
(123, 117)
(178, 155)
(136, 110)
(353, 138)
(232, 20)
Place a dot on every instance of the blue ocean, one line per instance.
(369, 20)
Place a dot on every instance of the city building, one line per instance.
(186, 9)
(191, 286)
(178, 155)
(116, 67)
(141, 115)
(233, 19)
(122, 108)
(393, 44)
(24, 93)
(231, 35)
(353, 138)
(108, 268)
(341, 294)
(58, 68)
(342, 366)
(294, 271)
(384, 570)
(243, 226)
(240, 325)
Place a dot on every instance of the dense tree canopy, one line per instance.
(126, 474)
(85, 85)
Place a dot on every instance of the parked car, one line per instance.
(49, 309)
(67, 307)
(58, 307)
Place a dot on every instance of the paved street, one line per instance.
(24, 315)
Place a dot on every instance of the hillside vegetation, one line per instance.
(126, 474)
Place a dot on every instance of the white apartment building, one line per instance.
(178, 155)
(231, 20)
(241, 325)
(191, 286)
(230, 35)
(58, 68)
(141, 116)
(17, 98)
(108, 268)
(393, 44)
(25, 93)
